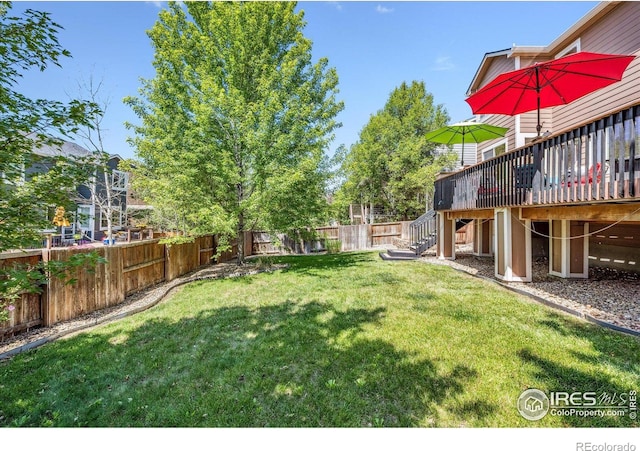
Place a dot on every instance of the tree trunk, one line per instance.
(109, 210)
(240, 232)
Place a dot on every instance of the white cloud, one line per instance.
(383, 10)
(443, 63)
(337, 5)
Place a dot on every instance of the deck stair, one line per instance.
(398, 254)
(423, 236)
(423, 233)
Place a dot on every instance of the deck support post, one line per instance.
(483, 238)
(512, 246)
(568, 249)
(446, 245)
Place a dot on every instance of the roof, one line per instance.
(545, 52)
(484, 65)
(66, 149)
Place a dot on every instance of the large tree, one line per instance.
(236, 121)
(392, 165)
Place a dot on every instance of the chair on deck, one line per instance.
(589, 177)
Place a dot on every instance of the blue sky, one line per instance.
(374, 46)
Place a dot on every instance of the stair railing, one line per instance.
(422, 232)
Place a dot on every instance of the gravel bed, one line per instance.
(608, 295)
(134, 303)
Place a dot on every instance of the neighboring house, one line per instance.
(573, 195)
(138, 212)
(469, 157)
(366, 214)
(89, 220)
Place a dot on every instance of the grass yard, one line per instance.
(342, 340)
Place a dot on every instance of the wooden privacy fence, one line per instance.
(27, 312)
(132, 267)
(129, 268)
(351, 238)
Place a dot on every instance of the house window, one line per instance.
(119, 180)
(574, 47)
(494, 151)
(49, 213)
(116, 218)
(84, 217)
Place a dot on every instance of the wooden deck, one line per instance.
(591, 164)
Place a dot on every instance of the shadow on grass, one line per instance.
(610, 348)
(288, 365)
(619, 350)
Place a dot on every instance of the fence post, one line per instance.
(44, 295)
(167, 263)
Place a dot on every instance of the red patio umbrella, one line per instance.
(547, 84)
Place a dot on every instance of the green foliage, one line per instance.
(332, 245)
(392, 165)
(264, 262)
(31, 42)
(177, 239)
(235, 123)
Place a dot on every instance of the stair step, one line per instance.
(400, 252)
(406, 256)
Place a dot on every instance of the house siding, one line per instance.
(499, 65)
(498, 120)
(619, 33)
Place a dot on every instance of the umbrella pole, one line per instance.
(462, 152)
(538, 126)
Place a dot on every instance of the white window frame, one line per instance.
(119, 180)
(575, 45)
(86, 223)
(117, 218)
(492, 149)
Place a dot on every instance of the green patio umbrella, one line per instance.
(472, 132)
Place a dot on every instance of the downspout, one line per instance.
(538, 125)
(519, 141)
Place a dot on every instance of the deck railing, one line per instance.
(593, 162)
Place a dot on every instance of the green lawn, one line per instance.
(344, 340)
